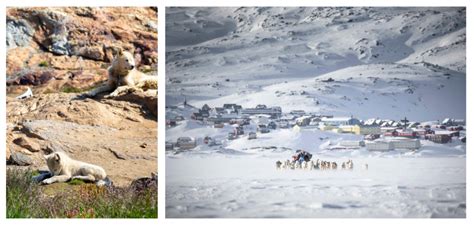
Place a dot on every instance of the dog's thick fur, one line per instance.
(62, 169)
(124, 77)
(278, 165)
(350, 164)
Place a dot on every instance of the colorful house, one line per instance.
(366, 129)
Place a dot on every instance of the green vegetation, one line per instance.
(27, 199)
(43, 64)
(147, 70)
(76, 182)
(69, 89)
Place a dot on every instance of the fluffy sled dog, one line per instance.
(124, 77)
(62, 168)
(278, 165)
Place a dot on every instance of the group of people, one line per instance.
(302, 156)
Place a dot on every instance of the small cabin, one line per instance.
(186, 143)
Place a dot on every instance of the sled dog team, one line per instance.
(314, 165)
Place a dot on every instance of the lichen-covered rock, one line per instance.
(69, 40)
(93, 52)
(19, 33)
(54, 30)
(37, 77)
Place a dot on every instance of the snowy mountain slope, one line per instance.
(392, 91)
(221, 53)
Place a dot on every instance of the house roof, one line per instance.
(370, 121)
(445, 132)
(336, 119)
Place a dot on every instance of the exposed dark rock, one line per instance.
(20, 159)
(28, 144)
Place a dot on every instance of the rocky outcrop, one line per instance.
(117, 133)
(53, 48)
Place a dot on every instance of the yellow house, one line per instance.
(347, 129)
(364, 130)
(328, 128)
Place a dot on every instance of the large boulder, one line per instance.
(20, 159)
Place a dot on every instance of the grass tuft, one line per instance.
(69, 89)
(27, 199)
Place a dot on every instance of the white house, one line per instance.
(337, 121)
(379, 145)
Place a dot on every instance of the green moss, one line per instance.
(35, 173)
(69, 89)
(43, 64)
(76, 182)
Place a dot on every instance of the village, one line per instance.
(373, 134)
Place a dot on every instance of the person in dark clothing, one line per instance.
(302, 155)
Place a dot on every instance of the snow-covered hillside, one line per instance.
(420, 91)
(386, 62)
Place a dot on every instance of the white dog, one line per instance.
(297, 165)
(350, 164)
(123, 76)
(287, 164)
(62, 168)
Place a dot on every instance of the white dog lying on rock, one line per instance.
(62, 169)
